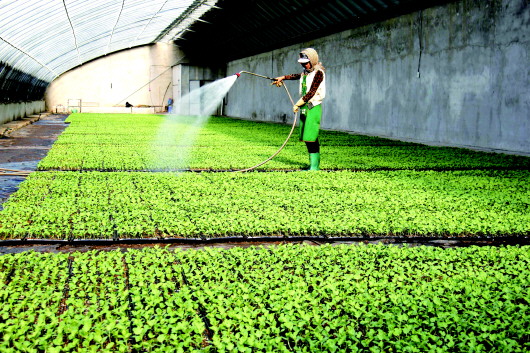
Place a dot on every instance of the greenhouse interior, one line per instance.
(257, 176)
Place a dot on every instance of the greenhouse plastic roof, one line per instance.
(45, 38)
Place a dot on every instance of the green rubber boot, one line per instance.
(314, 161)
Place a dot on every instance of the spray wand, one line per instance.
(290, 133)
(252, 73)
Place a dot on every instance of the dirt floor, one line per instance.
(24, 147)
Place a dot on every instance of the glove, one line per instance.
(298, 104)
(277, 82)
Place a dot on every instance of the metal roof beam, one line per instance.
(29, 56)
(73, 32)
(114, 28)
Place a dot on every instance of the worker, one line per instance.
(313, 91)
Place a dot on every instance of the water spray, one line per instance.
(290, 132)
(216, 91)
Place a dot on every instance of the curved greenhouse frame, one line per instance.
(41, 39)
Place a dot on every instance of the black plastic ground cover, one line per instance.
(431, 241)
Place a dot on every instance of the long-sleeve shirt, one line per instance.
(319, 77)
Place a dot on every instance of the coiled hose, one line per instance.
(288, 136)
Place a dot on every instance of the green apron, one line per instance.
(309, 118)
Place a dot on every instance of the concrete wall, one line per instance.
(453, 75)
(187, 77)
(13, 111)
(140, 76)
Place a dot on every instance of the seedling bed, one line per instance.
(124, 142)
(276, 299)
(404, 190)
(71, 205)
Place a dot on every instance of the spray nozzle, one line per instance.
(238, 74)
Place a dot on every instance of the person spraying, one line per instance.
(313, 91)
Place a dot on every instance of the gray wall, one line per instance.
(14, 111)
(454, 75)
